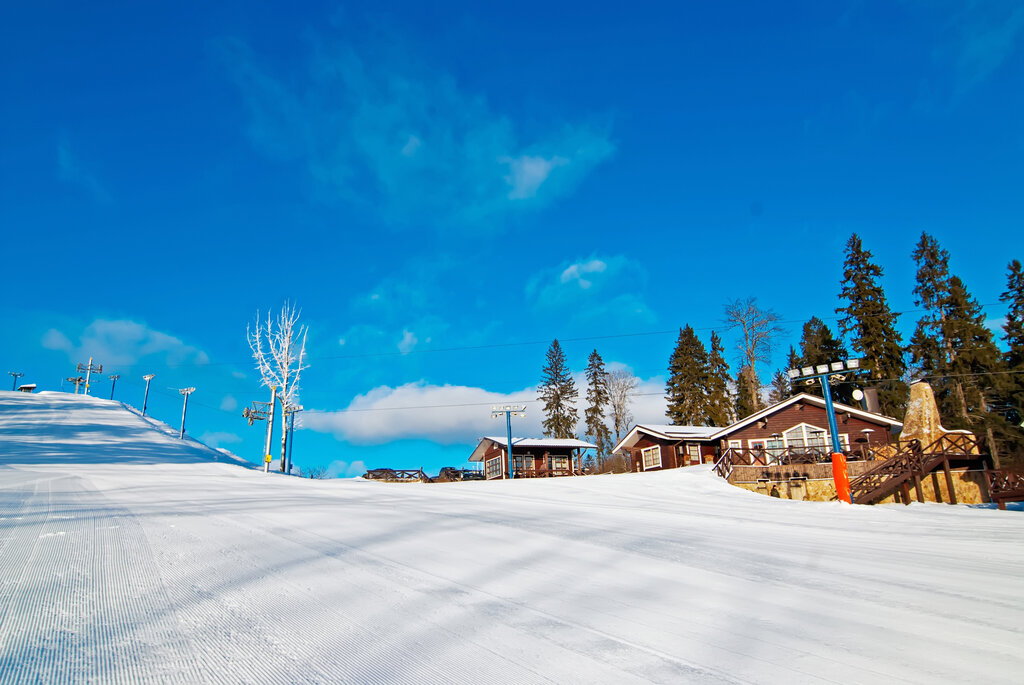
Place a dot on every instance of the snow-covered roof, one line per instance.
(665, 433)
(551, 443)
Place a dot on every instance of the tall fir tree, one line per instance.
(819, 346)
(929, 350)
(974, 367)
(748, 392)
(558, 394)
(720, 409)
(780, 390)
(1013, 358)
(686, 388)
(597, 401)
(871, 326)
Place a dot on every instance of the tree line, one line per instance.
(977, 386)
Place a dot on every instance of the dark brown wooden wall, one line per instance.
(799, 413)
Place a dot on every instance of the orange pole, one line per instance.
(841, 477)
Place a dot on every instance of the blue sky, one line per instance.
(433, 183)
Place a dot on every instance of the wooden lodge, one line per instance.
(796, 428)
(531, 457)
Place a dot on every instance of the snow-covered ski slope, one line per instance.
(128, 555)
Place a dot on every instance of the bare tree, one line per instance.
(318, 472)
(758, 329)
(279, 348)
(621, 384)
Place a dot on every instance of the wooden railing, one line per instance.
(740, 456)
(1005, 486)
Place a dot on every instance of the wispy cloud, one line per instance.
(407, 140)
(71, 170)
(989, 38)
(122, 342)
(597, 288)
(217, 439)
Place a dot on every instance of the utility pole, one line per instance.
(186, 392)
(261, 411)
(270, 429)
(290, 411)
(508, 411)
(145, 400)
(113, 381)
(77, 380)
(17, 375)
(88, 369)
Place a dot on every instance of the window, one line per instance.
(651, 457)
(493, 468)
(813, 438)
(522, 463)
(558, 463)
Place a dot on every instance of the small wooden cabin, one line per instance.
(651, 447)
(531, 457)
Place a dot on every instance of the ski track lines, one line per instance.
(86, 603)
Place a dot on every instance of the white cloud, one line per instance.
(454, 414)
(345, 469)
(122, 343)
(606, 289)
(527, 173)
(411, 146)
(216, 439)
(576, 272)
(239, 375)
(408, 342)
(229, 403)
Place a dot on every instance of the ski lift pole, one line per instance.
(270, 430)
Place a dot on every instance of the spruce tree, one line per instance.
(871, 326)
(558, 394)
(975, 365)
(819, 346)
(597, 401)
(929, 350)
(720, 409)
(686, 388)
(748, 393)
(780, 390)
(1013, 359)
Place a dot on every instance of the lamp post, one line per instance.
(508, 411)
(145, 400)
(186, 392)
(88, 369)
(290, 411)
(113, 381)
(17, 375)
(824, 373)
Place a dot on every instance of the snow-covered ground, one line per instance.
(128, 555)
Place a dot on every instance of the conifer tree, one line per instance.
(871, 326)
(597, 401)
(819, 346)
(686, 388)
(748, 391)
(780, 390)
(929, 350)
(1013, 358)
(720, 409)
(973, 368)
(558, 394)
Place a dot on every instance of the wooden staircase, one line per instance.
(910, 464)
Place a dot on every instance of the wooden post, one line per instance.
(918, 490)
(949, 481)
(905, 492)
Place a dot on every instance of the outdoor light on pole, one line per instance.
(113, 381)
(290, 411)
(186, 392)
(17, 375)
(145, 400)
(824, 373)
(508, 410)
(88, 368)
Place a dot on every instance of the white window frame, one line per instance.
(522, 462)
(692, 458)
(493, 465)
(557, 463)
(844, 438)
(648, 451)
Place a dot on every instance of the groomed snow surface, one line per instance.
(128, 555)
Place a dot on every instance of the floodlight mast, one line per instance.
(509, 411)
(186, 392)
(824, 372)
(145, 400)
(113, 381)
(17, 375)
(88, 368)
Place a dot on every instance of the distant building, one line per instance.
(27, 387)
(531, 457)
(799, 424)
